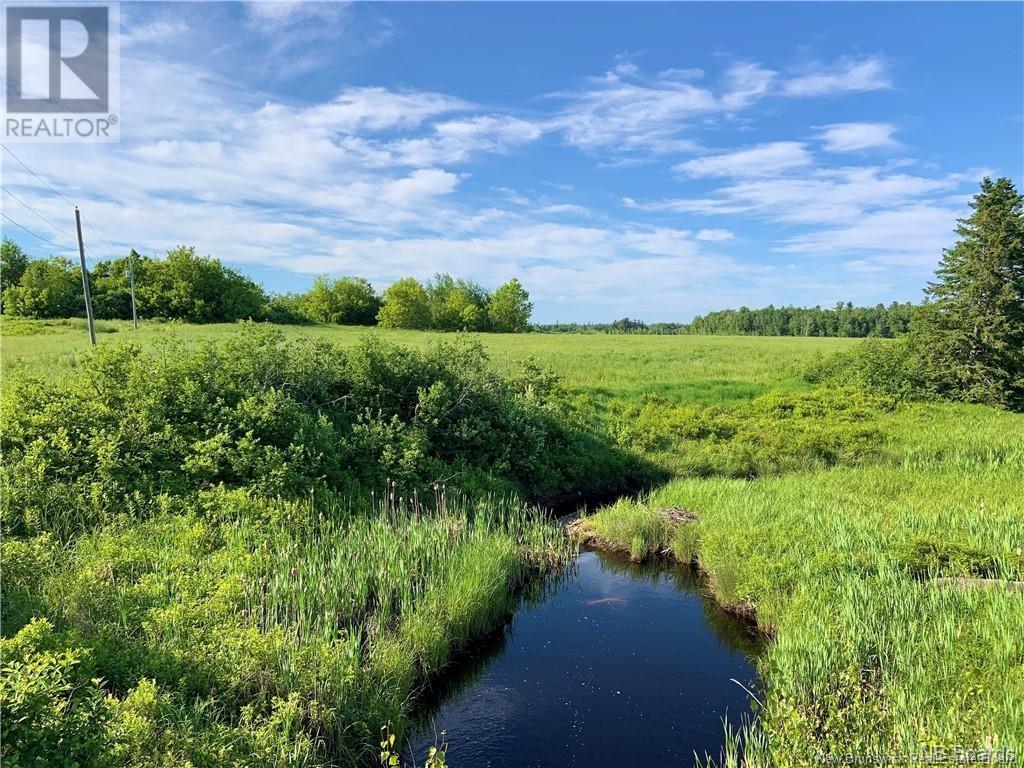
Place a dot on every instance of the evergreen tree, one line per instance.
(973, 328)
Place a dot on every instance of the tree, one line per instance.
(13, 263)
(196, 289)
(509, 309)
(110, 287)
(972, 329)
(628, 325)
(346, 301)
(48, 288)
(406, 305)
(457, 305)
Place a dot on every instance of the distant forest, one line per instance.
(842, 320)
(197, 289)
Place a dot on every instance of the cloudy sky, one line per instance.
(655, 161)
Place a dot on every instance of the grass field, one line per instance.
(681, 368)
(879, 542)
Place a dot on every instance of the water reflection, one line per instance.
(604, 664)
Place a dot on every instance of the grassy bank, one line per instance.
(286, 636)
(870, 653)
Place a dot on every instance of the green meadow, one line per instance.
(681, 368)
(877, 542)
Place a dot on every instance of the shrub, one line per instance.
(196, 289)
(48, 288)
(406, 304)
(457, 305)
(346, 301)
(127, 432)
(892, 368)
(54, 713)
(13, 263)
(778, 432)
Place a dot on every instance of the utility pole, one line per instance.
(131, 284)
(85, 277)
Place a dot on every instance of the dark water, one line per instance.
(616, 665)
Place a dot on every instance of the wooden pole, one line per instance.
(131, 283)
(85, 277)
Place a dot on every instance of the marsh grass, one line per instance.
(301, 626)
(870, 653)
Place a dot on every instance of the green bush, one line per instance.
(346, 301)
(893, 368)
(778, 432)
(47, 288)
(925, 557)
(127, 433)
(54, 712)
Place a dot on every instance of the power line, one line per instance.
(34, 234)
(62, 197)
(35, 212)
(40, 178)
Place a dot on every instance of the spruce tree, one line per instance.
(973, 326)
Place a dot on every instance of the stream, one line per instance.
(611, 664)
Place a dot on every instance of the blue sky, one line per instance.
(655, 160)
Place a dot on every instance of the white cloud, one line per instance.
(745, 84)
(876, 219)
(455, 141)
(761, 160)
(625, 115)
(374, 109)
(910, 236)
(820, 196)
(156, 31)
(625, 112)
(715, 235)
(852, 137)
(272, 15)
(848, 75)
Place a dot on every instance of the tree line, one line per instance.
(844, 319)
(197, 289)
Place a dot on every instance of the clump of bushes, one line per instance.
(54, 710)
(182, 286)
(128, 432)
(929, 557)
(893, 368)
(777, 432)
(447, 304)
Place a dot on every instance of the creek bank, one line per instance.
(578, 531)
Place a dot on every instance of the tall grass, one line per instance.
(331, 613)
(872, 652)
